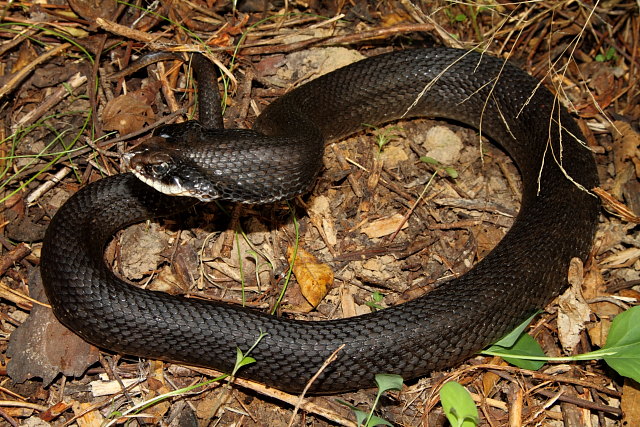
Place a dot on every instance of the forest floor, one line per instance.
(396, 211)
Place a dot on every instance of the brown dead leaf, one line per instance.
(594, 286)
(630, 403)
(574, 312)
(315, 278)
(88, 415)
(598, 332)
(128, 113)
(92, 9)
(612, 205)
(26, 54)
(166, 281)
(393, 155)
(42, 347)
(626, 146)
(487, 237)
(621, 259)
(320, 212)
(141, 249)
(396, 17)
(349, 306)
(54, 411)
(384, 226)
(490, 379)
(157, 386)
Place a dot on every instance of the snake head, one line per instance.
(159, 165)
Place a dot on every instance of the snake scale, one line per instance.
(280, 158)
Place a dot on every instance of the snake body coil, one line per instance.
(525, 271)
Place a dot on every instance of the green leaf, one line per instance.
(461, 17)
(377, 421)
(511, 338)
(429, 160)
(388, 382)
(525, 345)
(376, 297)
(242, 360)
(517, 343)
(361, 417)
(451, 172)
(458, 405)
(624, 341)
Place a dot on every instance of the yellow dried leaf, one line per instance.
(315, 278)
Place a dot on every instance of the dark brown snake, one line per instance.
(280, 158)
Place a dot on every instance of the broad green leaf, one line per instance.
(511, 338)
(388, 382)
(361, 416)
(624, 341)
(458, 405)
(624, 329)
(525, 345)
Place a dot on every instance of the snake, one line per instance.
(279, 158)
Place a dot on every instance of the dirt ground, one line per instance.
(380, 226)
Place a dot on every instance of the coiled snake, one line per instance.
(280, 158)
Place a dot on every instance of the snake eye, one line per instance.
(159, 169)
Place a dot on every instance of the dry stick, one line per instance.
(24, 72)
(353, 182)
(413, 208)
(12, 393)
(344, 39)
(13, 256)
(8, 418)
(510, 180)
(326, 363)
(107, 143)
(19, 38)
(47, 185)
(58, 95)
(14, 403)
(291, 399)
(276, 37)
(615, 207)
(515, 407)
(524, 372)
(581, 402)
(126, 32)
